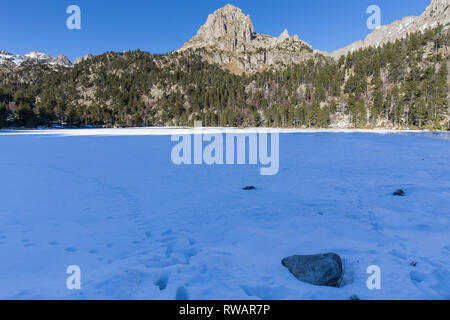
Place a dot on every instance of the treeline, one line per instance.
(402, 84)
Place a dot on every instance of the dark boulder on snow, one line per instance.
(319, 269)
(399, 193)
(249, 188)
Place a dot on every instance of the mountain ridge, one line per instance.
(228, 39)
(438, 12)
(14, 60)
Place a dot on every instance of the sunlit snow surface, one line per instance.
(112, 202)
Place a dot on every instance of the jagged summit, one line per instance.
(228, 38)
(227, 27)
(284, 35)
(228, 21)
(438, 12)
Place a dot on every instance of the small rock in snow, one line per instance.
(319, 269)
(399, 193)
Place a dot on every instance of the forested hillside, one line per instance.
(403, 84)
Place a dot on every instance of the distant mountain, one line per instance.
(438, 12)
(11, 60)
(228, 38)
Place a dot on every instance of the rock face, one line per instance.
(319, 270)
(62, 60)
(228, 39)
(231, 26)
(86, 57)
(11, 60)
(438, 12)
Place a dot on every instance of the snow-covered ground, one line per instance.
(139, 227)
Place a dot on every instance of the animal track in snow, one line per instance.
(162, 281)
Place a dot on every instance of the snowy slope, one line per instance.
(8, 58)
(142, 228)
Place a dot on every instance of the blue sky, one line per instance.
(163, 26)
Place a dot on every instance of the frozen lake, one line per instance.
(141, 227)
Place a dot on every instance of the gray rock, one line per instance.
(320, 269)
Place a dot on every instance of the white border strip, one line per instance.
(167, 131)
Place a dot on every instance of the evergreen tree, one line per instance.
(3, 115)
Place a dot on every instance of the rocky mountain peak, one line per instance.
(38, 57)
(228, 38)
(227, 27)
(62, 60)
(284, 35)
